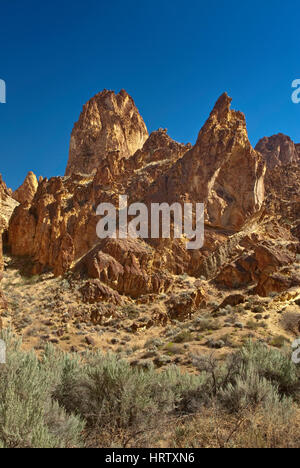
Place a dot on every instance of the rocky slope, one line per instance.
(59, 226)
(252, 229)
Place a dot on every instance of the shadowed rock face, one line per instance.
(26, 192)
(108, 123)
(278, 150)
(7, 206)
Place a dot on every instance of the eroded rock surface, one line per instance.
(222, 171)
(278, 150)
(26, 192)
(7, 206)
(108, 123)
(251, 215)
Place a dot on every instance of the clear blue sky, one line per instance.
(174, 57)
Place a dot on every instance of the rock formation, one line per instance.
(130, 266)
(26, 192)
(222, 170)
(108, 123)
(251, 197)
(59, 226)
(7, 206)
(278, 150)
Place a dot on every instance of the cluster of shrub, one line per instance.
(62, 400)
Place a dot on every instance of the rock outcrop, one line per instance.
(130, 285)
(108, 123)
(59, 226)
(7, 206)
(130, 266)
(256, 264)
(278, 150)
(222, 171)
(26, 192)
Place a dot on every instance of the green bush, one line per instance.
(274, 365)
(109, 392)
(29, 416)
(62, 400)
(247, 375)
(249, 391)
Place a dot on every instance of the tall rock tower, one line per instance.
(108, 123)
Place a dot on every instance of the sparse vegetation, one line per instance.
(291, 322)
(278, 341)
(63, 400)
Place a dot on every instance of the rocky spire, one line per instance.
(27, 190)
(108, 123)
(222, 171)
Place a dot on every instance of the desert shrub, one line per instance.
(63, 400)
(250, 390)
(248, 429)
(278, 341)
(108, 391)
(29, 417)
(274, 365)
(111, 395)
(172, 348)
(183, 337)
(252, 324)
(253, 372)
(207, 323)
(290, 321)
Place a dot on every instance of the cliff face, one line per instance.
(59, 225)
(7, 206)
(108, 123)
(278, 150)
(222, 170)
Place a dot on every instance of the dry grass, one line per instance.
(248, 429)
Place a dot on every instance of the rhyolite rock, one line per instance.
(26, 192)
(244, 243)
(7, 206)
(222, 171)
(278, 150)
(58, 227)
(108, 123)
